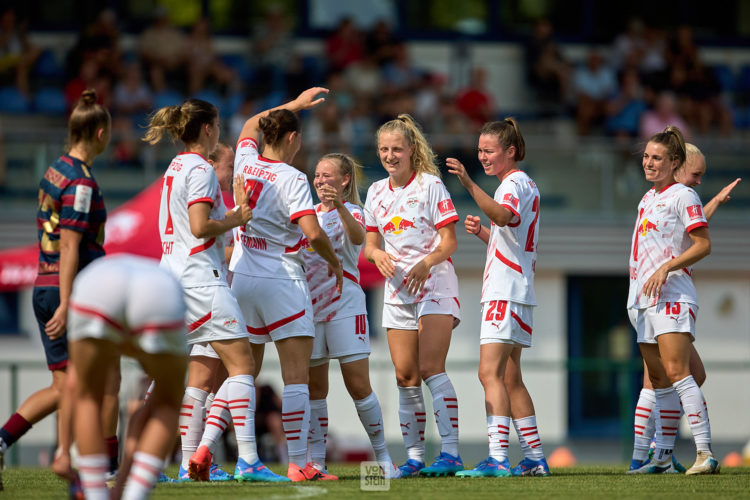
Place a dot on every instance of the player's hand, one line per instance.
(62, 465)
(307, 99)
(384, 262)
(652, 287)
(55, 327)
(241, 212)
(723, 195)
(473, 224)
(417, 276)
(238, 189)
(457, 168)
(329, 194)
(339, 272)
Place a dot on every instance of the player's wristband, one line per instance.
(478, 230)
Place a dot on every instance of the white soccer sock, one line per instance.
(411, 416)
(191, 422)
(696, 412)
(143, 476)
(445, 405)
(498, 429)
(528, 435)
(295, 417)
(93, 472)
(218, 418)
(368, 410)
(316, 443)
(241, 392)
(643, 424)
(668, 402)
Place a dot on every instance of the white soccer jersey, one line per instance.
(408, 218)
(661, 233)
(270, 244)
(511, 250)
(327, 302)
(195, 261)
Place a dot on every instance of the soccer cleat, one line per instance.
(705, 463)
(390, 471)
(324, 475)
(488, 468)
(257, 472)
(529, 467)
(677, 465)
(308, 473)
(199, 467)
(182, 476)
(217, 474)
(163, 478)
(649, 467)
(75, 489)
(444, 465)
(411, 468)
(635, 465)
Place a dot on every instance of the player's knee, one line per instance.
(489, 378)
(409, 379)
(675, 371)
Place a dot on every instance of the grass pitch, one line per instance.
(576, 482)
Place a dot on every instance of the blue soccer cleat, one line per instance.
(163, 478)
(488, 468)
(257, 472)
(678, 466)
(411, 468)
(183, 476)
(529, 467)
(217, 474)
(444, 465)
(649, 467)
(635, 465)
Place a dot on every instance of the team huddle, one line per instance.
(253, 260)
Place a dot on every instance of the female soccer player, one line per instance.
(269, 277)
(70, 221)
(508, 298)
(341, 326)
(689, 174)
(126, 305)
(662, 301)
(412, 212)
(191, 218)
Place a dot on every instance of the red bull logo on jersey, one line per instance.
(397, 225)
(647, 226)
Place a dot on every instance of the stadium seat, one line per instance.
(743, 82)
(726, 77)
(239, 64)
(210, 96)
(167, 98)
(12, 101)
(231, 104)
(50, 101)
(47, 66)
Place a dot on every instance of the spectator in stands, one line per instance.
(89, 77)
(364, 77)
(594, 84)
(17, 54)
(344, 46)
(400, 74)
(163, 50)
(381, 43)
(547, 69)
(330, 129)
(624, 110)
(204, 66)
(629, 46)
(271, 49)
(132, 97)
(661, 116)
(475, 101)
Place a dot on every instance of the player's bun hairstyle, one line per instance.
(423, 159)
(348, 166)
(87, 119)
(182, 122)
(276, 124)
(692, 154)
(671, 138)
(508, 134)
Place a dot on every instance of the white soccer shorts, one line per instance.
(345, 339)
(664, 317)
(213, 314)
(506, 322)
(406, 316)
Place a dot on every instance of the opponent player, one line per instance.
(412, 212)
(508, 297)
(269, 278)
(662, 301)
(191, 217)
(70, 222)
(126, 305)
(689, 174)
(341, 326)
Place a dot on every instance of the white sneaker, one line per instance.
(705, 463)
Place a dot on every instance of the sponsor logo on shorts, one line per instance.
(231, 323)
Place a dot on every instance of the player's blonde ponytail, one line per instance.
(423, 158)
(181, 122)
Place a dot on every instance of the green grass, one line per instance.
(576, 482)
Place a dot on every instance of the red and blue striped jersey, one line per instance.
(69, 198)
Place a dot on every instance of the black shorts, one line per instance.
(46, 301)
